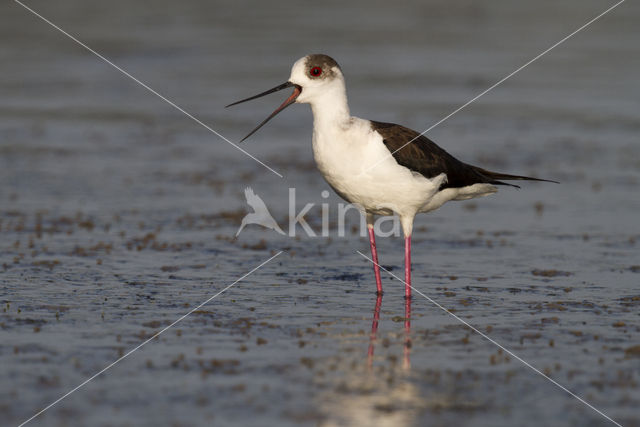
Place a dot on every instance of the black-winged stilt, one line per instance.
(372, 164)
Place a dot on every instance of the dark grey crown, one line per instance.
(325, 62)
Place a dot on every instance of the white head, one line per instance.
(314, 78)
(318, 76)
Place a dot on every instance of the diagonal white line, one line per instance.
(97, 374)
(165, 99)
(483, 335)
(499, 82)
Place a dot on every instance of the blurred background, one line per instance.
(118, 215)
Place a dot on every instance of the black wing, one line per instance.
(425, 157)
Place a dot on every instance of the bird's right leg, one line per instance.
(374, 253)
(407, 267)
(407, 227)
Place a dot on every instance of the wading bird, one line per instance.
(382, 167)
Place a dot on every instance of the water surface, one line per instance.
(118, 216)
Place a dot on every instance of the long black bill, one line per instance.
(290, 100)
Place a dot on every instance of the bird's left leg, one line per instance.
(374, 253)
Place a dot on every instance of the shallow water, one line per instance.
(118, 216)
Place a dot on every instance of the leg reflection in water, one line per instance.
(406, 364)
(374, 330)
(373, 337)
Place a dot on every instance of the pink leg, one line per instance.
(407, 266)
(374, 254)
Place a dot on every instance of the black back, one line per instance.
(425, 157)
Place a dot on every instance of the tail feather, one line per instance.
(496, 177)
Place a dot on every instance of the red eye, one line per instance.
(315, 71)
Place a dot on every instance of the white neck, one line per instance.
(330, 108)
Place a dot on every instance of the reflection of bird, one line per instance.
(373, 337)
(260, 214)
(382, 167)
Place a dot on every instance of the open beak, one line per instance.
(290, 100)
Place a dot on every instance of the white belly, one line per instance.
(359, 167)
(346, 159)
